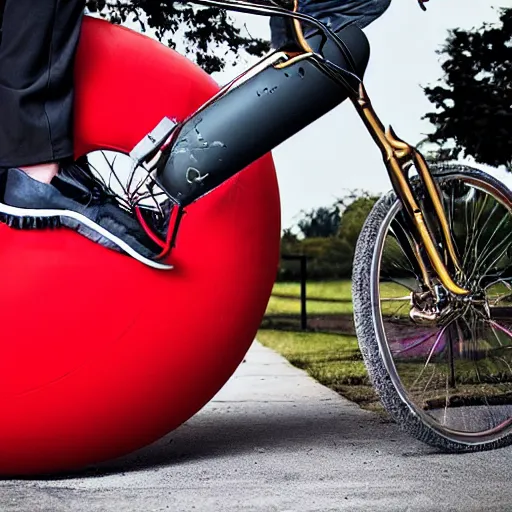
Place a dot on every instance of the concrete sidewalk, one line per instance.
(275, 440)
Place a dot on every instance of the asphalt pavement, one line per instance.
(273, 439)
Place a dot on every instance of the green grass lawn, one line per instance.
(322, 297)
(332, 359)
(327, 297)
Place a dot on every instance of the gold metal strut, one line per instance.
(396, 154)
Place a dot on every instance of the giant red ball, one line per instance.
(101, 355)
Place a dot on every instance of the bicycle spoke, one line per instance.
(458, 370)
(130, 185)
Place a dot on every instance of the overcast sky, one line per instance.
(336, 154)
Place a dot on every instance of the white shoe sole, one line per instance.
(27, 212)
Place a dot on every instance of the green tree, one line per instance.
(320, 222)
(473, 100)
(208, 32)
(354, 217)
(329, 236)
(290, 244)
(328, 258)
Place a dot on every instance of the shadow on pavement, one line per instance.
(221, 433)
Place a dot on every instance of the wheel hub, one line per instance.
(432, 307)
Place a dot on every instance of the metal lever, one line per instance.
(153, 141)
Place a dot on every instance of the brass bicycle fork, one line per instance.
(397, 154)
(265, 91)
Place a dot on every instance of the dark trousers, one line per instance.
(37, 52)
(336, 14)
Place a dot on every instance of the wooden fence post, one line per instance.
(303, 280)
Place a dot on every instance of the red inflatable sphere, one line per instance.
(101, 355)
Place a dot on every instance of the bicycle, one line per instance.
(431, 269)
(431, 279)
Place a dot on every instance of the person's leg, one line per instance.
(37, 52)
(40, 183)
(336, 14)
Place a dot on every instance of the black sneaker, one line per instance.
(75, 200)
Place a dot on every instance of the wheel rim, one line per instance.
(454, 371)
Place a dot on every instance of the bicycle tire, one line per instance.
(372, 337)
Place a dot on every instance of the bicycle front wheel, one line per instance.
(446, 378)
